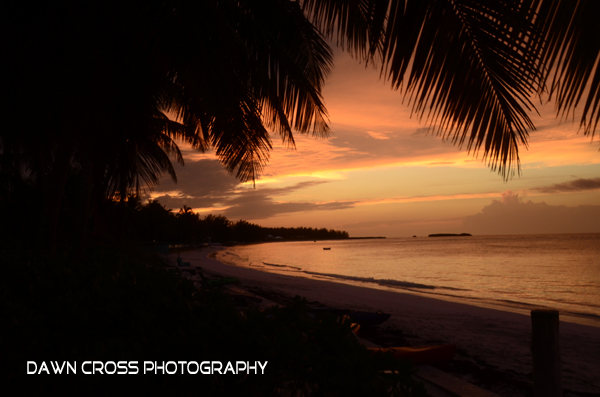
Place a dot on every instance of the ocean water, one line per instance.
(510, 272)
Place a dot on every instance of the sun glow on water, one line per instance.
(559, 271)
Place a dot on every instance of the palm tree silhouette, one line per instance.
(101, 78)
(472, 68)
(113, 71)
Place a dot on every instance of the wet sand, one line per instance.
(493, 345)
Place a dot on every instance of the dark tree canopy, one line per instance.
(98, 94)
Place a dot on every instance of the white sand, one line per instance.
(500, 339)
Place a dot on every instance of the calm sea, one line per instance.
(511, 272)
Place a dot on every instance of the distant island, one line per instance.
(450, 235)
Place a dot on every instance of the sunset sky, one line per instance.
(381, 174)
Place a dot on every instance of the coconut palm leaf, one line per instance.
(572, 54)
(137, 164)
(256, 67)
(471, 67)
(288, 61)
(468, 67)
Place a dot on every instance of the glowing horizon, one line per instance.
(381, 167)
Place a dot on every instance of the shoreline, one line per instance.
(583, 318)
(487, 338)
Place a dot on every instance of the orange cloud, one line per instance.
(414, 199)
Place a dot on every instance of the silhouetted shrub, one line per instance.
(127, 306)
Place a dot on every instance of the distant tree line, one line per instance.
(154, 222)
(118, 222)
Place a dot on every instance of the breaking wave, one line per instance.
(384, 282)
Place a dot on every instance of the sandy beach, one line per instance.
(493, 345)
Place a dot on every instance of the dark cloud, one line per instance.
(377, 224)
(267, 208)
(513, 216)
(389, 223)
(201, 178)
(422, 131)
(205, 184)
(202, 183)
(259, 203)
(400, 143)
(578, 185)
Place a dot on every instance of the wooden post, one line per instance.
(545, 351)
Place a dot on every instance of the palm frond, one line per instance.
(260, 62)
(240, 140)
(468, 67)
(287, 63)
(468, 73)
(357, 26)
(572, 56)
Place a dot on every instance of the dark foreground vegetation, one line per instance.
(121, 305)
(87, 97)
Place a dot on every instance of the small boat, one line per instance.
(327, 249)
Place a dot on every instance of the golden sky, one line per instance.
(381, 173)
